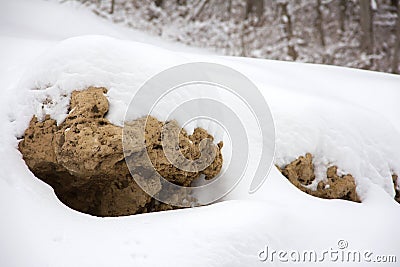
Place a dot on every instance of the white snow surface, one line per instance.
(344, 117)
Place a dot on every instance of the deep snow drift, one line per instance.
(344, 117)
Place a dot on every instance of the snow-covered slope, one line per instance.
(344, 117)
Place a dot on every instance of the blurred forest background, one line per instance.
(354, 33)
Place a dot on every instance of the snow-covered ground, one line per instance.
(344, 117)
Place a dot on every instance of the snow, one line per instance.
(344, 117)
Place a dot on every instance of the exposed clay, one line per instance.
(83, 160)
(300, 172)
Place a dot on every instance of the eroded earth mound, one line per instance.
(300, 172)
(83, 159)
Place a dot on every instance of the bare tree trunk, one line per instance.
(396, 55)
(112, 7)
(367, 34)
(228, 13)
(256, 6)
(242, 41)
(342, 16)
(200, 9)
(287, 21)
(260, 8)
(249, 8)
(158, 2)
(319, 23)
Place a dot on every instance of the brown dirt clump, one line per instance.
(83, 159)
(300, 173)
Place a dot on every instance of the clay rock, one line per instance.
(300, 173)
(38, 144)
(83, 158)
(90, 103)
(301, 170)
(338, 187)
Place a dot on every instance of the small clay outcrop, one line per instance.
(341, 187)
(300, 173)
(83, 159)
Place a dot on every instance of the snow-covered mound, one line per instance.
(344, 117)
(80, 62)
(337, 131)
